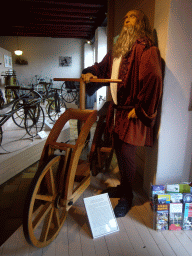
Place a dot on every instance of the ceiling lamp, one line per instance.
(18, 52)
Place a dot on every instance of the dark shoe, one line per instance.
(114, 192)
(123, 207)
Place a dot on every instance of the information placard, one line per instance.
(100, 214)
(42, 134)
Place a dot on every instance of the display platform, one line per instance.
(18, 151)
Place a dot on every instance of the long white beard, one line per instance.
(124, 43)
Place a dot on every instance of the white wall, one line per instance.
(100, 52)
(88, 55)
(43, 54)
(95, 53)
(161, 23)
(3, 69)
(175, 137)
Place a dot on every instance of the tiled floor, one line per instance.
(13, 192)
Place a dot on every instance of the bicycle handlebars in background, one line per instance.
(82, 86)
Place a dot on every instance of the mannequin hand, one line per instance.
(86, 77)
(132, 114)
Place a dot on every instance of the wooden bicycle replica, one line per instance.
(61, 179)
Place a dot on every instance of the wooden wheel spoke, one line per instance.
(56, 218)
(46, 225)
(41, 215)
(50, 182)
(44, 198)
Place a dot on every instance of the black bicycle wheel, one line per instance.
(19, 116)
(69, 95)
(54, 112)
(34, 120)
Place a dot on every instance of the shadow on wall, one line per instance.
(190, 132)
(188, 152)
(158, 118)
(152, 152)
(174, 151)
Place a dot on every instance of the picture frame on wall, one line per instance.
(65, 61)
(7, 61)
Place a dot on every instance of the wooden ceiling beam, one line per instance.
(68, 10)
(59, 26)
(85, 4)
(65, 16)
(64, 34)
(49, 17)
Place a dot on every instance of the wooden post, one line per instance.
(82, 95)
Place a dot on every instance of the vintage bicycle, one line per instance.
(32, 117)
(69, 91)
(56, 104)
(52, 97)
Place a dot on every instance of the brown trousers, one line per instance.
(125, 153)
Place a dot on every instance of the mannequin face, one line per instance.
(131, 18)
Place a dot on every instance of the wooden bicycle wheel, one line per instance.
(43, 215)
(101, 150)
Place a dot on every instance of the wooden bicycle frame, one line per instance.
(85, 182)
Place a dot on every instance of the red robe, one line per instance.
(141, 87)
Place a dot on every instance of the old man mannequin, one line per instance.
(137, 62)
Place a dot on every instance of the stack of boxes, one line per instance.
(172, 206)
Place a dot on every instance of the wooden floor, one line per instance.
(135, 237)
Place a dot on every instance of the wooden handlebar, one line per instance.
(82, 86)
(94, 80)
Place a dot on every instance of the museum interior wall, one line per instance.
(42, 55)
(169, 161)
(5, 56)
(175, 137)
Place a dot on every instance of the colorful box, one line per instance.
(162, 199)
(176, 198)
(175, 216)
(162, 217)
(174, 188)
(187, 218)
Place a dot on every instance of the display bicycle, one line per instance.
(29, 105)
(55, 103)
(69, 91)
(61, 179)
